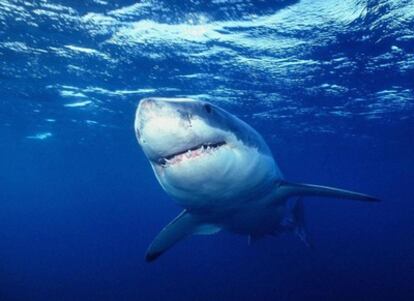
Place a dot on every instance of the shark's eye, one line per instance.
(208, 108)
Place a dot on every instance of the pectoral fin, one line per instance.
(287, 189)
(185, 224)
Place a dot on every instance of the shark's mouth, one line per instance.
(191, 153)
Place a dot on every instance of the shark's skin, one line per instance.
(220, 170)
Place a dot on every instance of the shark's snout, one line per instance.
(148, 108)
(148, 104)
(163, 127)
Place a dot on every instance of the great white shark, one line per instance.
(221, 172)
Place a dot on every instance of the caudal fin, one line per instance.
(288, 189)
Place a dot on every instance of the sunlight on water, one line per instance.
(282, 50)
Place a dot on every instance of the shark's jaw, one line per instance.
(201, 155)
(193, 153)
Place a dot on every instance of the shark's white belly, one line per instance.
(221, 180)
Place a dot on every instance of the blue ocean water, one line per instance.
(329, 84)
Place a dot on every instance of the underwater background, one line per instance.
(328, 83)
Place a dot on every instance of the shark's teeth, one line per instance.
(190, 153)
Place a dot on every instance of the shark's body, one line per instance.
(221, 171)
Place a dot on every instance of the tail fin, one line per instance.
(288, 189)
